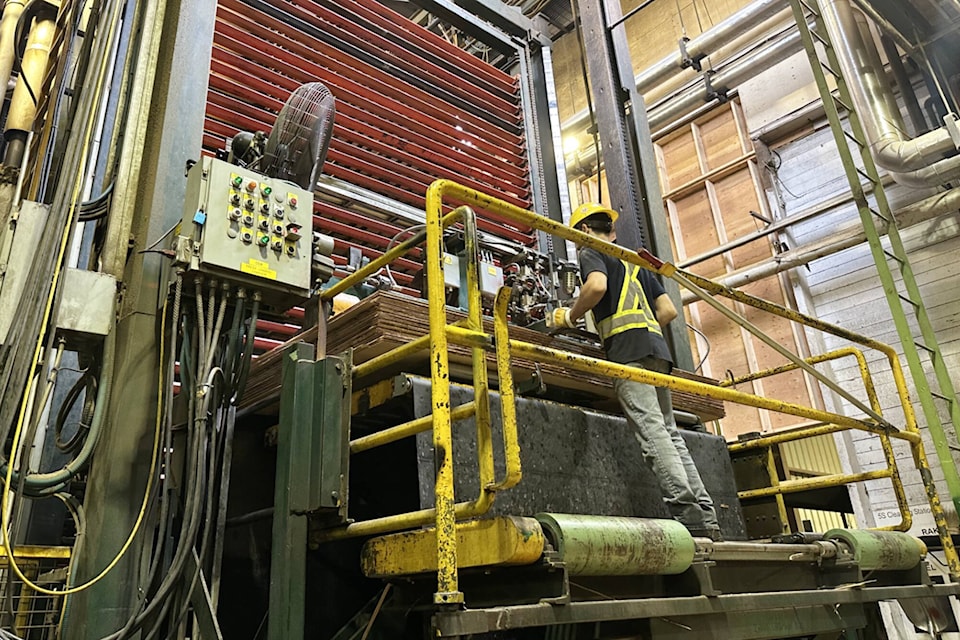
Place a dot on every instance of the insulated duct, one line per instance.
(843, 238)
(706, 43)
(911, 162)
(722, 34)
(730, 76)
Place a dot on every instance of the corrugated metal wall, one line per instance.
(844, 289)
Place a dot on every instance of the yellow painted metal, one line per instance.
(448, 591)
(775, 483)
(468, 337)
(787, 435)
(500, 541)
(614, 370)
(399, 522)
(33, 551)
(470, 333)
(407, 429)
(361, 274)
(820, 482)
(372, 396)
(392, 357)
(508, 401)
(906, 516)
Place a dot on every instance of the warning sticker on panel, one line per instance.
(258, 268)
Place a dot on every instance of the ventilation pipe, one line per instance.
(732, 75)
(910, 162)
(26, 95)
(8, 28)
(722, 34)
(846, 237)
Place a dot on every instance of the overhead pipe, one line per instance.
(904, 85)
(706, 43)
(850, 236)
(861, 67)
(26, 95)
(722, 82)
(8, 29)
(723, 33)
(730, 76)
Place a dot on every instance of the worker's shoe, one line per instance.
(713, 533)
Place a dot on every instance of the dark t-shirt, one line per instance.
(632, 344)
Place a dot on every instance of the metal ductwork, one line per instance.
(918, 162)
(723, 33)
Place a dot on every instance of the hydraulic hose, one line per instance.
(248, 348)
(40, 481)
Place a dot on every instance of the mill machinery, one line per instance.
(275, 326)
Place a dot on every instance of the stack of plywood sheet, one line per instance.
(386, 320)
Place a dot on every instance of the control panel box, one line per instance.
(243, 227)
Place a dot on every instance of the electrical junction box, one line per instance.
(451, 271)
(491, 278)
(87, 307)
(243, 227)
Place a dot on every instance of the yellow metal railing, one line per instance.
(469, 333)
(778, 488)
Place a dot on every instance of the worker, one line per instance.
(631, 308)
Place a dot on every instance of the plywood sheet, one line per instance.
(387, 320)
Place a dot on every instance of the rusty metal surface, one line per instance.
(574, 461)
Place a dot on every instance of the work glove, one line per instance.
(561, 318)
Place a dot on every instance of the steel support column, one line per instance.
(627, 148)
(168, 132)
(544, 147)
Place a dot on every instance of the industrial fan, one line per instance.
(297, 145)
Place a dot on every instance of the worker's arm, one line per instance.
(664, 310)
(590, 294)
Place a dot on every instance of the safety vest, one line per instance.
(633, 309)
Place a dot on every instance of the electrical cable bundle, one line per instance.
(213, 342)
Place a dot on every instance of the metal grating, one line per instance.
(411, 107)
(35, 616)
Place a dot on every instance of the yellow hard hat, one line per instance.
(586, 210)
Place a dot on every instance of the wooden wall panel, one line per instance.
(709, 179)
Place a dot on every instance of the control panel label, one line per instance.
(258, 268)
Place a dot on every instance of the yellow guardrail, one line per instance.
(447, 512)
(891, 471)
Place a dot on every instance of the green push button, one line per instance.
(263, 240)
(237, 181)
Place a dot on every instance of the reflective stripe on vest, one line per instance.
(633, 309)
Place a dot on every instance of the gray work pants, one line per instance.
(650, 412)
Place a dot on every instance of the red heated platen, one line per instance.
(424, 138)
(421, 133)
(229, 108)
(267, 39)
(344, 27)
(431, 43)
(395, 132)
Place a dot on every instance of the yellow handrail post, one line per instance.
(448, 591)
(481, 386)
(508, 401)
